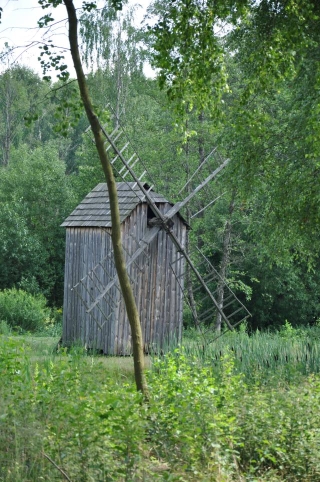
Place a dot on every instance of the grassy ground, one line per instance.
(219, 414)
(47, 347)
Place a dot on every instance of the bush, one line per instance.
(215, 426)
(24, 311)
(4, 328)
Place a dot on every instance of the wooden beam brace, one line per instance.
(180, 204)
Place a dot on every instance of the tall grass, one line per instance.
(282, 355)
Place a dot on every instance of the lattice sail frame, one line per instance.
(100, 287)
(99, 290)
(205, 316)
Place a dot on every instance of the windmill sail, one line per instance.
(205, 279)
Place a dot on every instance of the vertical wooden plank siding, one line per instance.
(158, 295)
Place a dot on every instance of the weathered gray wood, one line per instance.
(90, 269)
(181, 282)
(178, 206)
(151, 235)
(159, 284)
(94, 210)
(144, 286)
(194, 174)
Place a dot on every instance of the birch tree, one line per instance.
(127, 292)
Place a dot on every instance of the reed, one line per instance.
(283, 355)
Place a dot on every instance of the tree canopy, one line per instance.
(254, 67)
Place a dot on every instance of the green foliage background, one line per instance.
(262, 115)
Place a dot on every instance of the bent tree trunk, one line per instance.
(127, 292)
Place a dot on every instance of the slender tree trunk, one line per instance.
(201, 138)
(127, 292)
(201, 152)
(7, 136)
(191, 300)
(226, 251)
(119, 79)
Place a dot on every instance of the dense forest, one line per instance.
(263, 230)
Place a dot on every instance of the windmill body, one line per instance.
(158, 261)
(94, 312)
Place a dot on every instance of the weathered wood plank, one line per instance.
(158, 298)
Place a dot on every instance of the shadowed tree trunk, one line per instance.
(7, 99)
(127, 292)
(189, 284)
(226, 251)
(191, 298)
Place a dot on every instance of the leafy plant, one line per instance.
(21, 310)
(204, 421)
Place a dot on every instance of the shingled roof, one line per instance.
(94, 210)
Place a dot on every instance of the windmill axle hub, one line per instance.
(166, 224)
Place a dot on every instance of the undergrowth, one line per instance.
(69, 416)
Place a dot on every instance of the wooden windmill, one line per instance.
(154, 240)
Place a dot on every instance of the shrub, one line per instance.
(4, 328)
(193, 415)
(24, 311)
(217, 427)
